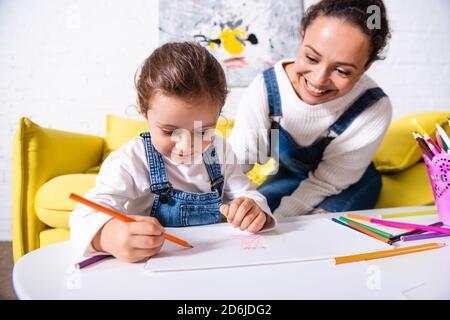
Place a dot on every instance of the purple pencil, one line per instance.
(424, 236)
(89, 261)
(415, 231)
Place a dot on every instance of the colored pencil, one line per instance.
(89, 261)
(399, 236)
(343, 224)
(444, 137)
(434, 148)
(424, 236)
(439, 142)
(387, 253)
(423, 145)
(408, 214)
(377, 231)
(122, 217)
(369, 233)
(400, 225)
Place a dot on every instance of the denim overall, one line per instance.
(295, 162)
(175, 208)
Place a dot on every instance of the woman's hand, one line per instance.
(244, 213)
(130, 241)
(319, 211)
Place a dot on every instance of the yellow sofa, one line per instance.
(49, 164)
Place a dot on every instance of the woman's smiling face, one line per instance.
(331, 59)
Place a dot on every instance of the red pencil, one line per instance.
(122, 217)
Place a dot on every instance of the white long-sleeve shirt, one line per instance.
(123, 184)
(344, 160)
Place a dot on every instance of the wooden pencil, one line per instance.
(122, 217)
(387, 253)
(362, 225)
(370, 233)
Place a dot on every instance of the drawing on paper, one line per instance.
(246, 36)
(249, 242)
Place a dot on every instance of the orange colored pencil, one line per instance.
(369, 233)
(123, 217)
(387, 253)
(357, 217)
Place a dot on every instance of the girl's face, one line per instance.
(181, 129)
(331, 59)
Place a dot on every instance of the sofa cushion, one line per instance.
(120, 130)
(51, 236)
(53, 205)
(410, 187)
(399, 150)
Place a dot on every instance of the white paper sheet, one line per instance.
(221, 246)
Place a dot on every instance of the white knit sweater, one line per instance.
(344, 160)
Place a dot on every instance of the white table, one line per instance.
(46, 273)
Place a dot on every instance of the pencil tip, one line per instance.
(191, 246)
(442, 244)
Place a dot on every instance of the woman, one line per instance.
(331, 116)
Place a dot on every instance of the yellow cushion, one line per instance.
(40, 154)
(410, 187)
(120, 130)
(51, 236)
(399, 150)
(53, 205)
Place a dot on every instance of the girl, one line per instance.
(330, 116)
(177, 174)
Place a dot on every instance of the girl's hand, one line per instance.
(244, 213)
(130, 241)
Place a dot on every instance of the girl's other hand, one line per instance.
(245, 214)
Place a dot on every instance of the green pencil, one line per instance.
(379, 232)
(408, 214)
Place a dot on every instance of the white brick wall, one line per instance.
(67, 63)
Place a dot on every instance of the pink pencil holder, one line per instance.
(439, 174)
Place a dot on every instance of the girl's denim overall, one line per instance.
(176, 208)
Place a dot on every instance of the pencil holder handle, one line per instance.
(439, 174)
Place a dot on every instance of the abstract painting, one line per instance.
(246, 36)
